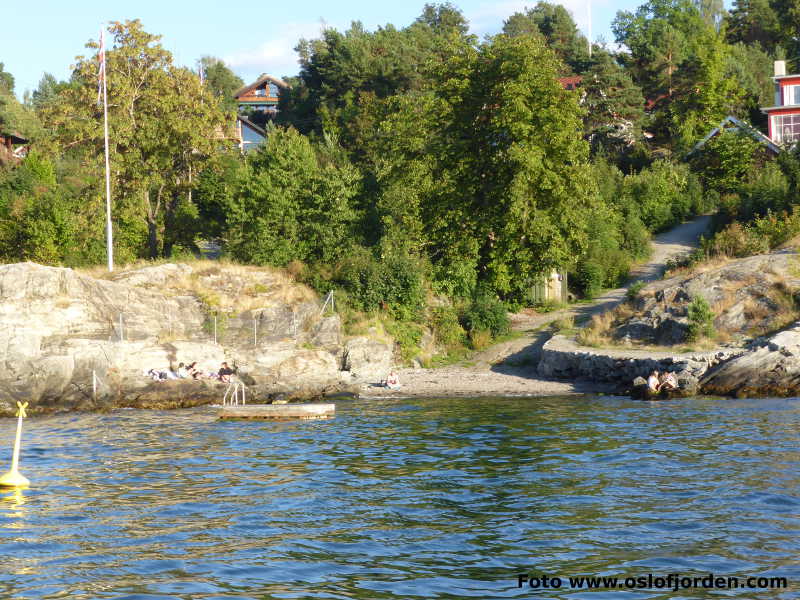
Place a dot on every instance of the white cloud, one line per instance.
(276, 55)
(488, 18)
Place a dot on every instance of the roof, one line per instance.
(779, 77)
(731, 123)
(769, 108)
(15, 137)
(264, 78)
(572, 80)
(245, 121)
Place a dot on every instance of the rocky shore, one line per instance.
(70, 341)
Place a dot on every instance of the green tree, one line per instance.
(6, 80)
(558, 28)
(615, 105)
(754, 22)
(163, 126)
(512, 144)
(296, 203)
(222, 82)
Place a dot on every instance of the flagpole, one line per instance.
(109, 241)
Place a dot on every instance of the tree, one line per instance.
(513, 149)
(660, 35)
(554, 22)
(6, 80)
(163, 126)
(296, 203)
(615, 105)
(753, 22)
(222, 82)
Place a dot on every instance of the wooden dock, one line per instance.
(278, 411)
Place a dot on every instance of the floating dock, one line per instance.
(278, 411)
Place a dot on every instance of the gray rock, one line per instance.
(367, 360)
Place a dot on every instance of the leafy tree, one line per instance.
(222, 82)
(513, 147)
(6, 80)
(296, 203)
(706, 92)
(163, 125)
(660, 35)
(556, 25)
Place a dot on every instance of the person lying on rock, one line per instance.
(193, 371)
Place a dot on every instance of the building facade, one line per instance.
(784, 117)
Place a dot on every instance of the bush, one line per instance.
(634, 290)
(446, 328)
(738, 241)
(701, 320)
(486, 313)
(394, 284)
(590, 278)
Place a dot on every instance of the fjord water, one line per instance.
(404, 499)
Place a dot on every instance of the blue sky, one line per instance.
(253, 38)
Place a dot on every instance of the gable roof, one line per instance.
(264, 78)
(731, 123)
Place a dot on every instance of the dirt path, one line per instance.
(509, 368)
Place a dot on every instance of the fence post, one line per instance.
(94, 385)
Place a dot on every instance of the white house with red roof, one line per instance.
(784, 117)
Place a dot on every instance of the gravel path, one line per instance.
(509, 368)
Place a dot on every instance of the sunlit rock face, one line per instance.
(70, 341)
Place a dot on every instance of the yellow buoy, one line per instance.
(14, 478)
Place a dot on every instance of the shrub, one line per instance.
(737, 241)
(446, 328)
(701, 320)
(590, 278)
(486, 313)
(634, 290)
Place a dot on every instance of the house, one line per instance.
(12, 146)
(261, 95)
(570, 83)
(784, 116)
(549, 288)
(249, 135)
(734, 125)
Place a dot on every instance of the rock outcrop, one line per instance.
(770, 368)
(69, 341)
(749, 296)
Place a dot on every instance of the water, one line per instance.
(404, 499)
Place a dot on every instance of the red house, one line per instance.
(784, 117)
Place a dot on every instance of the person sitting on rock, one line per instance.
(653, 384)
(668, 382)
(225, 373)
(193, 371)
(392, 381)
(182, 372)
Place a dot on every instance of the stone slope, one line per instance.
(59, 327)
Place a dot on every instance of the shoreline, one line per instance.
(468, 382)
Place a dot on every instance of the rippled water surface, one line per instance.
(403, 499)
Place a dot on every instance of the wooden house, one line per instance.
(249, 135)
(12, 146)
(784, 117)
(262, 95)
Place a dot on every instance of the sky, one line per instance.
(252, 38)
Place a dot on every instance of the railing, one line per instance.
(235, 392)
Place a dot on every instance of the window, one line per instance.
(260, 92)
(791, 95)
(273, 90)
(785, 128)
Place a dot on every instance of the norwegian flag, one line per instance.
(101, 71)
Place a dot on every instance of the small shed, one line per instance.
(12, 145)
(550, 287)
